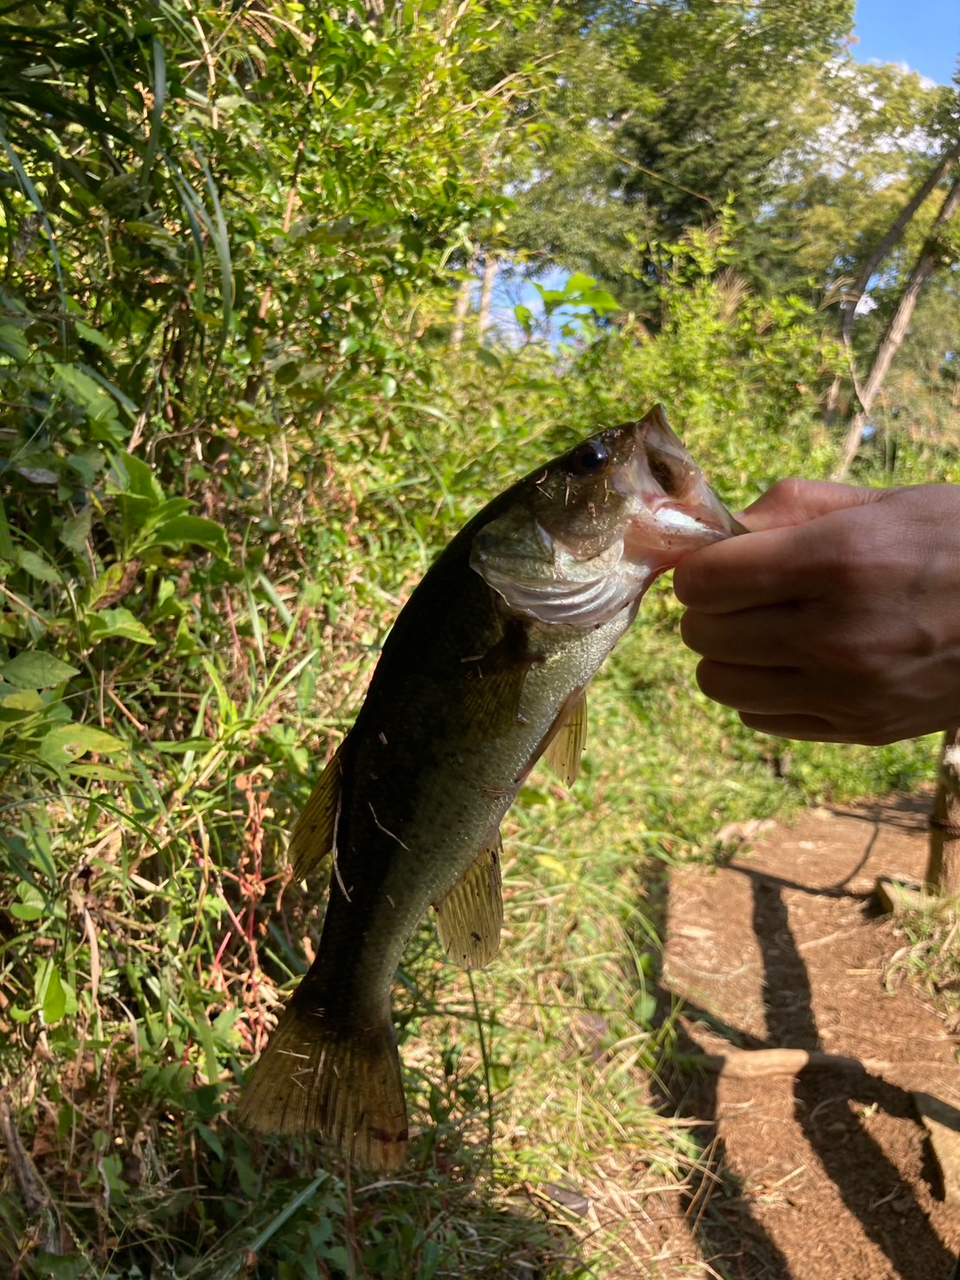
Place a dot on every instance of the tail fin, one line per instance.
(346, 1086)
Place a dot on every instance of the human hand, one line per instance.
(837, 618)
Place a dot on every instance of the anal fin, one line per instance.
(565, 748)
(470, 917)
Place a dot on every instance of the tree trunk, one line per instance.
(490, 269)
(883, 249)
(894, 236)
(460, 310)
(931, 257)
(943, 869)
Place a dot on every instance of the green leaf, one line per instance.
(37, 566)
(579, 283)
(140, 480)
(90, 334)
(76, 530)
(7, 550)
(61, 746)
(26, 700)
(85, 391)
(36, 670)
(600, 301)
(12, 343)
(101, 772)
(55, 997)
(645, 1008)
(487, 357)
(211, 1139)
(31, 904)
(119, 622)
(196, 530)
(524, 316)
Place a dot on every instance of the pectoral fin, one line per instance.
(315, 831)
(566, 746)
(469, 918)
(494, 683)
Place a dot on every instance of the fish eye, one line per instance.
(590, 458)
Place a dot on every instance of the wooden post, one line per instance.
(943, 869)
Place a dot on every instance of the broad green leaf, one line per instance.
(61, 746)
(600, 301)
(85, 391)
(133, 476)
(37, 566)
(524, 316)
(110, 623)
(68, 1266)
(26, 700)
(579, 283)
(89, 334)
(76, 530)
(192, 530)
(31, 904)
(46, 975)
(7, 550)
(55, 996)
(211, 1139)
(489, 358)
(101, 772)
(13, 343)
(36, 670)
(166, 510)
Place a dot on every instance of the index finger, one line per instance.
(745, 572)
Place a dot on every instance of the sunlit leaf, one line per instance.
(117, 623)
(67, 743)
(36, 670)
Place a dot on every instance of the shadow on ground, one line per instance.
(721, 1212)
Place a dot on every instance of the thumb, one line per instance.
(792, 502)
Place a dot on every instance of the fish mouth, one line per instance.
(664, 529)
(672, 508)
(701, 515)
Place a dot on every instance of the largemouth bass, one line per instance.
(482, 673)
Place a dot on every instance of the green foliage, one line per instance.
(929, 955)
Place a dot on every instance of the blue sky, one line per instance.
(925, 34)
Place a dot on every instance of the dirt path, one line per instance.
(824, 1175)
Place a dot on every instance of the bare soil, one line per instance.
(827, 1174)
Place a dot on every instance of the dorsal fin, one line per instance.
(315, 831)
